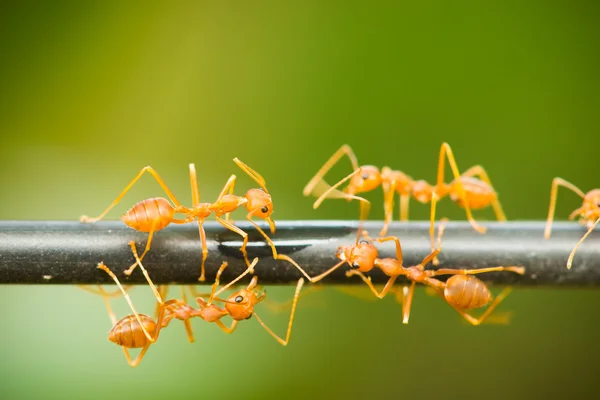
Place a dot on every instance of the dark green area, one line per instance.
(92, 92)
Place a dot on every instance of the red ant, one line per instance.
(140, 331)
(588, 213)
(461, 291)
(466, 190)
(154, 214)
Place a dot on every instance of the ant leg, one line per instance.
(141, 354)
(447, 151)
(367, 280)
(111, 313)
(187, 323)
(226, 329)
(85, 218)
(162, 292)
(388, 205)
(345, 149)
(291, 321)
(407, 302)
(276, 307)
(139, 262)
(214, 294)
(240, 232)
(333, 193)
(256, 177)
(329, 271)
(404, 202)
(386, 239)
(194, 185)
(445, 271)
(137, 316)
(204, 251)
(556, 182)
(480, 172)
(477, 321)
(229, 186)
(129, 270)
(274, 250)
(100, 291)
(570, 261)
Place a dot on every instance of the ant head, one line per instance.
(367, 179)
(240, 305)
(360, 256)
(260, 204)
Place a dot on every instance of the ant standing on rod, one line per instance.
(466, 190)
(588, 213)
(154, 214)
(462, 291)
(139, 330)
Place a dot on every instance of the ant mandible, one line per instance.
(588, 213)
(154, 214)
(470, 190)
(462, 291)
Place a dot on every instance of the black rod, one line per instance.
(61, 252)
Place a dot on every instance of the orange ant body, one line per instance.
(588, 213)
(140, 331)
(154, 214)
(470, 190)
(461, 291)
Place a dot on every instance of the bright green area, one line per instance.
(90, 93)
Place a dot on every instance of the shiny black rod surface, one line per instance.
(61, 252)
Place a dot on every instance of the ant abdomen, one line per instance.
(143, 215)
(466, 292)
(478, 193)
(128, 332)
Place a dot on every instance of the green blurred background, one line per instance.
(93, 91)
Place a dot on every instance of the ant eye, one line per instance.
(365, 176)
(264, 209)
(355, 265)
(238, 299)
(363, 242)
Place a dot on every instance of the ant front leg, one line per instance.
(515, 269)
(570, 261)
(333, 193)
(149, 169)
(407, 301)
(276, 256)
(477, 321)
(225, 328)
(367, 280)
(365, 234)
(240, 232)
(291, 321)
(344, 150)
(556, 182)
(447, 151)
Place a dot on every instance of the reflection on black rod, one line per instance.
(59, 252)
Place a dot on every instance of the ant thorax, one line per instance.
(403, 183)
